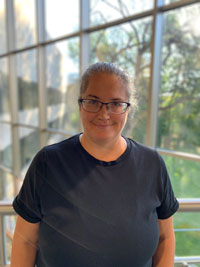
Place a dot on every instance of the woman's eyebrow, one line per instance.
(117, 99)
(94, 96)
(112, 99)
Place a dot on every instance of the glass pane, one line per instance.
(62, 77)
(55, 138)
(6, 186)
(9, 227)
(184, 175)
(186, 263)
(4, 91)
(189, 243)
(2, 27)
(5, 145)
(62, 17)
(29, 146)
(27, 87)
(187, 232)
(25, 23)
(179, 116)
(187, 220)
(129, 46)
(105, 11)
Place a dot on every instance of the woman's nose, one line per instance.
(104, 112)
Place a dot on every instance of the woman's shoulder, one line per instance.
(62, 146)
(144, 152)
(141, 148)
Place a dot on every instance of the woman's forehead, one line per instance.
(105, 80)
(106, 86)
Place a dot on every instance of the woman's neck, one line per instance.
(108, 151)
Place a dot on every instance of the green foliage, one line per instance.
(188, 243)
(179, 118)
(184, 176)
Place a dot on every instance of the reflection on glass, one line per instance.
(128, 45)
(184, 176)
(55, 138)
(62, 17)
(9, 226)
(4, 91)
(25, 24)
(6, 186)
(179, 116)
(62, 77)
(5, 145)
(2, 28)
(27, 87)
(29, 146)
(105, 11)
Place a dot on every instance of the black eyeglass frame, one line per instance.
(81, 100)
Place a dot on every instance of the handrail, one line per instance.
(191, 259)
(189, 204)
(185, 205)
(6, 208)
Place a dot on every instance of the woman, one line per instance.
(97, 198)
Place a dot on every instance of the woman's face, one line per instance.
(103, 125)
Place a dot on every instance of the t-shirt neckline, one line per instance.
(101, 162)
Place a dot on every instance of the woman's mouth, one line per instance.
(102, 126)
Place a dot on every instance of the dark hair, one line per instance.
(109, 68)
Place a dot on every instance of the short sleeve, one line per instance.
(27, 202)
(169, 204)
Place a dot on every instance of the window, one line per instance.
(62, 17)
(105, 11)
(5, 145)
(29, 146)
(40, 76)
(27, 87)
(4, 91)
(62, 80)
(2, 28)
(25, 24)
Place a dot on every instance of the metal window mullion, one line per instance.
(42, 94)
(152, 119)
(84, 7)
(10, 25)
(84, 37)
(14, 118)
(10, 28)
(2, 248)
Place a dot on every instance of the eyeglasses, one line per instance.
(92, 105)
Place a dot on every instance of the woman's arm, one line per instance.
(24, 245)
(164, 255)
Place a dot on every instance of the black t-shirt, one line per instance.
(94, 213)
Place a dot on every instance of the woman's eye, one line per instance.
(117, 104)
(92, 102)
